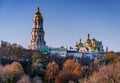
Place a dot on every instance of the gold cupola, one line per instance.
(38, 12)
(81, 44)
(77, 44)
(88, 41)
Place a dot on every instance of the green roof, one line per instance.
(45, 49)
(93, 48)
(58, 49)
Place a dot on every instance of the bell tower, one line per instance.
(37, 33)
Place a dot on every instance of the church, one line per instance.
(90, 45)
(37, 34)
(37, 42)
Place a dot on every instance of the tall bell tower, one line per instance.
(37, 33)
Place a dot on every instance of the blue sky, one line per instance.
(65, 21)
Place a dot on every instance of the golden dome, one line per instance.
(38, 12)
(77, 45)
(81, 44)
(88, 40)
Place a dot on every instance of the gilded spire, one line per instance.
(76, 44)
(88, 36)
(88, 41)
(80, 40)
(38, 9)
(38, 12)
(81, 44)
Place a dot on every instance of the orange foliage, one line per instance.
(76, 69)
(52, 71)
(58, 78)
(16, 67)
(71, 67)
(6, 70)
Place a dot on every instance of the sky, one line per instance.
(65, 21)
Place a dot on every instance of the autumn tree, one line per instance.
(1, 68)
(64, 77)
(94, 65)
(70, 73)
(24, 79)
(37, 70)
(52, 71)
(107, 74)
(109, 57)
(71, 67)
(12, 72)
(37, 80)
(17, 68)
(6, 73)
(37, 57)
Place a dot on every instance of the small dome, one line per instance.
(81, 44)
(76, 45)
(38, 12)
(88, 41)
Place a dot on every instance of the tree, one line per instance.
(37, 57)
(61, 78)
(37, 70)
(52, 71)
(109, 57)
(6, 73)
(64, 77)
(37, 80)
(12, 73)
(107, 74)
(24, 79)
(71, 67)
(16, 67)
(1, 68)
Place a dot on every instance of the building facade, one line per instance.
(90, 45)
(58, 51)
(37, 33)
(3, 43)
